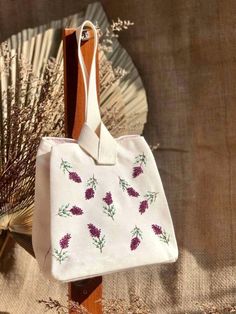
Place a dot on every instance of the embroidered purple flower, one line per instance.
(162, 234)
(136, 238)
(157, 229)
(61, 254)
(109, 208)
(66, 167)
(89, 193)
(75, 210)
(74, 177)
(64, 242)
(137, 171)
(126, 187)
(143, 206)
(64, 211)
(92, 185)
(94, 231)
(150, 197)
(132, 192)
(141, 160)
(108, 198)
(98, 240)
(134, 243)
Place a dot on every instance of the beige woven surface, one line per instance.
(185, 52)
(24, 285)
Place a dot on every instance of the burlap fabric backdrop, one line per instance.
(186, 54)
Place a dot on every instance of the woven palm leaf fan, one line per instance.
(32, 103)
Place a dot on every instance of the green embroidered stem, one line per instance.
(141, 159)
(60, 255)
(164, 237)
(65, 166)
(151, 196)
(92, 182)
(99, 242)
(136, 232)
(63, 212)
(110, 210)
(123, 184)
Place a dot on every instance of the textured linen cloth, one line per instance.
(185, 52)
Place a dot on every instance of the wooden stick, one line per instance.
(87, 292)
(6, 243)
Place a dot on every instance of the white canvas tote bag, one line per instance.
(100, 206)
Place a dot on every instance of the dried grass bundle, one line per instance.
(34, 108)
(110, 306)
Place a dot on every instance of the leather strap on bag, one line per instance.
(94, 137)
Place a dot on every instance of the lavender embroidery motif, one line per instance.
(61, 254)
(98, 240)
(126, 187)
(150, 197)
(66, 167)
(64, 211)
(140, 160)
(161, 233)
(109, 208)
(92, 185)
(136, 238)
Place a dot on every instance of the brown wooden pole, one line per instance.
(6, 242)
(87, 292)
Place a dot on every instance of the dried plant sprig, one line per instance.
(107, 75)
(230, 309)
(120, 306)
(112, 32)
(119, 73)
(110, 306)
(154, 147)
(7, 57)
(121, 24)
(118, 124)
(213, 309)
(75, 307)
(110, 77)
(52, 304)
(31, 108)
